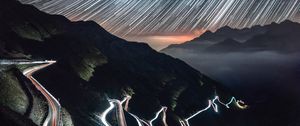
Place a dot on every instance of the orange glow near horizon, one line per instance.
(172, 39)
(156, 40)
(159, 42)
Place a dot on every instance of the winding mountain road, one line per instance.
(117, 104)
(53, 117)
(213, 104)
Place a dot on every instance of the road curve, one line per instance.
(164, 116)
(119, 113)
(115, 103)
(141, 122)
(213, 104)
(53, 118)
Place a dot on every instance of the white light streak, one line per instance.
(104, 114)
(136, 17)
(156, 116)
(140, 122)
(212, 104)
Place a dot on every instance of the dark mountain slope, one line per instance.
(93, 64)
(224, 46)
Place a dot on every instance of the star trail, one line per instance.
(161, 22)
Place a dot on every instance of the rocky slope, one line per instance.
(19, 97)
(92, 64)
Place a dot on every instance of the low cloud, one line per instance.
(249, 73)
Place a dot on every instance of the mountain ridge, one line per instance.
(256, 35)
(92, 64)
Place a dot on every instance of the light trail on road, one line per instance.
(164, 116)
(126, 100)
(119, 112)
(23, 62)
(156, 115)
(53, 117)
(104, 114)
(115, 103)
(54, 106)
(212, 104)
(137, 119)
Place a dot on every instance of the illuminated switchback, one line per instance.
(212, 104)
(54, 115)
(156, 115)
(140, 121)
(114, 103)
(104, 114)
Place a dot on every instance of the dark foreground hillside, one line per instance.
(92, 65)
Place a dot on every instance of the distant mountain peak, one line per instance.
(281, 37)
(225, 29)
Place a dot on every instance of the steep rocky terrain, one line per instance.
(92, 65)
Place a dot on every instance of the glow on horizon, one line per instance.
(159, 42)
(137, 18)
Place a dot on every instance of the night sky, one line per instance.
(162, 22)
